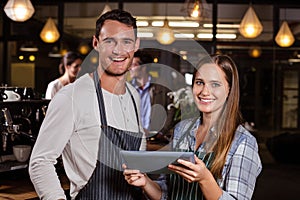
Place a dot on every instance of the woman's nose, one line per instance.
(205, 90)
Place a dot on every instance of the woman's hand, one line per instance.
(189, 171)
(134, 177)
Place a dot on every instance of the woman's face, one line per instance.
(74, 68)
(210, 89)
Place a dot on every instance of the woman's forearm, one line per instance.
(152, 190)
(209, 187)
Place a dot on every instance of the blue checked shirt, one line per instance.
(242, 165)
(145, 108)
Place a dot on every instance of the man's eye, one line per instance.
(108, 41)
(128, 42)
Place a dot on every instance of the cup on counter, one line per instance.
(22, 152)
(12, 96)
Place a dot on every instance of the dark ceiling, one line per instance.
(284, 3)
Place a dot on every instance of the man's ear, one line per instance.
(137, 44)
(95, 42)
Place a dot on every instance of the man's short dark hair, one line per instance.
(118, 15)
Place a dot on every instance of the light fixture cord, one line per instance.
(166, 10)
(284, 13)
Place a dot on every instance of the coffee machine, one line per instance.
(19, 125)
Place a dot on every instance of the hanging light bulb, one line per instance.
(165, 35)
(196, 11)
(250, 26)
(284, 37)
(49, 33)
(19, 10)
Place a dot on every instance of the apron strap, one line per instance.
(101, 101)
(135, 108)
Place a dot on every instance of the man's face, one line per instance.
(135, 70)
(116, 46)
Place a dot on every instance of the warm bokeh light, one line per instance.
(165, 34)
(196, 12)
(284, 37)
(250, 26)
(49, 33)
(31, 58)
(19, 10)
(21, 57)
(255, 52)
(84, 49)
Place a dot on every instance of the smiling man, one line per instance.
(89, 121)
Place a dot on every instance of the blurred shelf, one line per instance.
(12, 165)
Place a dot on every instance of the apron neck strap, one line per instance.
(97, 83)
(100, 99)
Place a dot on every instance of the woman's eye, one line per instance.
(216, 85)
(199, 82)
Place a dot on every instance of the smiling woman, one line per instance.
(69, 68)
(230, 151)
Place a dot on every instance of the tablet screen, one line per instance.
(154, 162)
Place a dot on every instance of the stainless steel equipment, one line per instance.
(10, 129)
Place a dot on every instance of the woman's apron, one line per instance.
(180, 189)
(107, 181)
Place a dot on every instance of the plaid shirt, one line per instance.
(242, 164)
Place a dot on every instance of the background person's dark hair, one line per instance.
(145, 58)
(68, 59)
(118, 15)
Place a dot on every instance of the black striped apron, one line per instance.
(180, 189)
(107, 181)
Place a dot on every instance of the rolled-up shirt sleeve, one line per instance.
(54, 133)
(241, 171)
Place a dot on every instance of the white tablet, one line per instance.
(154, 162)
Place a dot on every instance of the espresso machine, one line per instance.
(19, 125)
(10, 131)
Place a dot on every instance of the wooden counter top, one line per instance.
(16, 185)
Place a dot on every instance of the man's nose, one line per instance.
(118, 48)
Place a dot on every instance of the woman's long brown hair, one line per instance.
(230, 117)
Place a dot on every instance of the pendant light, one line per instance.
(284, 37)
(165, 35)
(19, 10)
(106, 9)
(196, 10)
(250, 26)
(49, 33)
